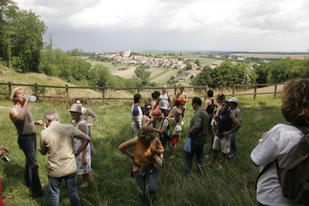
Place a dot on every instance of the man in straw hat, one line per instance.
(56, 142)
(22, 119)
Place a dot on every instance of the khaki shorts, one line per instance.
(222, 144)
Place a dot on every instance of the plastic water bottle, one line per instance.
(32, 98)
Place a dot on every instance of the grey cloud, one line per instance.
(266, 16)
(67, 5)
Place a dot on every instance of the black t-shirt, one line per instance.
(211, 108)
(225, 122)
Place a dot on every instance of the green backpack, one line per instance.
(294, 178)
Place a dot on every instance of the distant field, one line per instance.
(272, 56)
(204, 60)
(165, 76)
(109, 65)
(128, 73)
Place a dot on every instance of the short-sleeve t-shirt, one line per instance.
(136, 113)
(237, 113)
(275, 145)
(200, 120)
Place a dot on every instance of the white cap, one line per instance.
(233, 99)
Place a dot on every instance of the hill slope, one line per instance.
(9, 75)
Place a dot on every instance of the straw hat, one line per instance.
(76, 108)
(13, 93)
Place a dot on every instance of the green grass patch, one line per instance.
(231, 185)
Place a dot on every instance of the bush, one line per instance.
(38, 91)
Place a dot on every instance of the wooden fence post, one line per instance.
(10, 88)
(254, 94)
(275, 92)
(67, 94)
(103, 93)
(233, 90)
(175, 90)
(205, 90)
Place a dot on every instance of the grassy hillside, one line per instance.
(9, 75)
(233, 184)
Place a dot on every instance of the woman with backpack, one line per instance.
(146, 148)
(273, 153)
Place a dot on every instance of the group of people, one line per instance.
(159, 123)
(67, 146)
(155, 125)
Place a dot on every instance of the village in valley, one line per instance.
(191, 68)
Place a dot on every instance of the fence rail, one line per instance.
(66, 88)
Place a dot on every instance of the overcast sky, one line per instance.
(113, 25)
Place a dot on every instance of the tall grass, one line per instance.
(233, 184)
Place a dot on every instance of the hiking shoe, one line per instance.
(231, 155)
(38, 194)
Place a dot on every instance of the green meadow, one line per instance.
(232, 184)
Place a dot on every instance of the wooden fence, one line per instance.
(236, 90)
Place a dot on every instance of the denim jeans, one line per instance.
(54, 184)
(197, 151)
(141, 181)
(233, 142)
(28, 144)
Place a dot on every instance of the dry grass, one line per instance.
(8, 75)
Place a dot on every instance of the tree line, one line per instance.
(228, 73)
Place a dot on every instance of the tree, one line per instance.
(142, 74)
(284, 69)
(197, 62)
(226, 75)
(21, 37)
(27, 40)
(8, 11)
(261, 73)
(188, 66)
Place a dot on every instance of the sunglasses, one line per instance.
(148, 108)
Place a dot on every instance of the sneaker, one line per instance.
(231, 155)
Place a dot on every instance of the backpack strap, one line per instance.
(263, 171)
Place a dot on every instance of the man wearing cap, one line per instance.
(57, 142)
(22, 119)
(236, 112)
